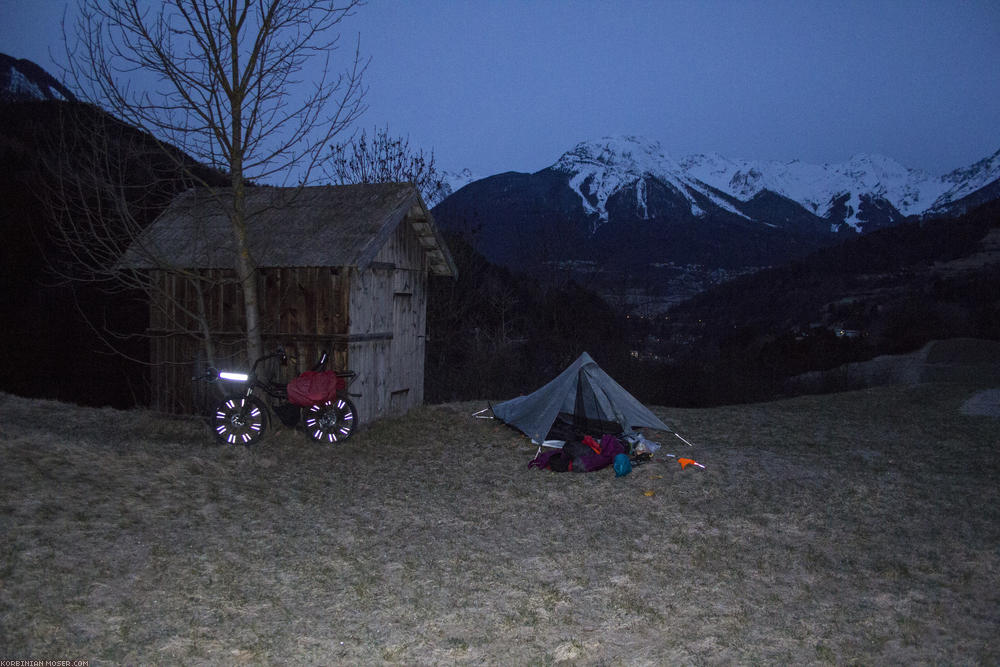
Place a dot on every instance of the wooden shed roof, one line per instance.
(335, 225)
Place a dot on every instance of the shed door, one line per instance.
(404, 344)
(405, 389)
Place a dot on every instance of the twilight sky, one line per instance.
(498, 86)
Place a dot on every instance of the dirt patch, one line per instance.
(855, 527)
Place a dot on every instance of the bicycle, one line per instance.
(241, 418)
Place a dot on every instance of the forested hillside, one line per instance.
(494, 333)
(888, 292)
(54, 319)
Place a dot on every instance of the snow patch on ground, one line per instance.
(984, 403)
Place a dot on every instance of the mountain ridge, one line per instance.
(599, 169)
(621, 211)
(24, 81)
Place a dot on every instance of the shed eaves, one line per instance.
(344, 225)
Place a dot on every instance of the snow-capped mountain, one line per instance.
(599, 170)
(449, 183)
(23, 80)
(856, 194)
(818, 187)
(626, 216)
(976, 184)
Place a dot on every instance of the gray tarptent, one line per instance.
(584, 396)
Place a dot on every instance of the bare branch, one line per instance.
(382, 158)
(228, 82)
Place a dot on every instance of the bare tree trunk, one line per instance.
(202, 320)
(246, 274)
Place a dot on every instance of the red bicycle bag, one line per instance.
(314, 388)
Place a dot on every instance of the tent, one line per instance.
(585, 397)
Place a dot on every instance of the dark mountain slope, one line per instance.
(519, 220)
(531, 221)
(494, 333)
(24, 81)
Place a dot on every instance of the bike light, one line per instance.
(236, 377)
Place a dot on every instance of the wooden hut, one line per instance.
(341, 269)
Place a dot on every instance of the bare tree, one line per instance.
(382, 158)
(226, 82)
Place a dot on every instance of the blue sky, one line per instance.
(498, 86)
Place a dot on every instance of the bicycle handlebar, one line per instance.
(279, 354)
(211, 374)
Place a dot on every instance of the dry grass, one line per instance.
(858, 527)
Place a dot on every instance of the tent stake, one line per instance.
(684, 441)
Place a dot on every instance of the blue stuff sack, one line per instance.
(622, 465)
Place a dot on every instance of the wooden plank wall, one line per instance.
(389, 304)
(370, 334)
(305, 311)
(368, 359)
(410, 322)
(302, 309)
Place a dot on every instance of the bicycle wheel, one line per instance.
(240, 420)
(332, 421)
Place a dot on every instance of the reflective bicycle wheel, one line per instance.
(332, 421)
(240, 420)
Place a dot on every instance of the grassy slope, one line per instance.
(853, 527)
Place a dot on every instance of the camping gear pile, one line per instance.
(588, 455)
(584, 421)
